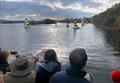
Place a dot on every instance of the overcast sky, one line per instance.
(70, 8)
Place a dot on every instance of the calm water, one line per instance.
(101, 60)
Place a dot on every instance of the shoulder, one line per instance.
(7, 77)
(63, 77)
(58, 76)
(88, 76)
(41, 68)
(57, 64)
(32, 74)
(50, 67)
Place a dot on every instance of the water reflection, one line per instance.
(74, 33)
(113, 37)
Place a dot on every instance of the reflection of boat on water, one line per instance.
(67, 25)
(83, 23)
(27, 26)
(75, 27)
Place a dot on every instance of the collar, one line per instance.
(75, 72)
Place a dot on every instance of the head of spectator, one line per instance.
(115, 75)
(50, 55)
(21, 66)
(78, 58)
(3, 61)
(21, 70)
(3, 57)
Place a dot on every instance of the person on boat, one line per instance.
(26, 22)
(115, 76)
(75, 23)
(76, 73)
(48, 68)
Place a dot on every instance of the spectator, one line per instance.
(115, 75)
(21, 71)
(3, 61)
(76, 72)
(12, 56)
(1, 77)
(47, 69)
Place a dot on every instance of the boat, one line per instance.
(27, 26)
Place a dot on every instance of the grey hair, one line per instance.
(78, 58)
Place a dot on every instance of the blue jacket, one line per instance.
(45, 71)
(4, 68)
(69, 76)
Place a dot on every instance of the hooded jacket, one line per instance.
(70, 76)
(46, 70)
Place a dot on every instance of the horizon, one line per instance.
(55, 9)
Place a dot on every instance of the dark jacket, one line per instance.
(69, 76)
(4, 68)
(45, 71)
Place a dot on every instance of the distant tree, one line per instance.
(117, 22)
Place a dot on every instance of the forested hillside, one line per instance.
(110, 18)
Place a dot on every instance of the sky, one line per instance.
(53, 8)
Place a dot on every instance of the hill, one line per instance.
(110, 18)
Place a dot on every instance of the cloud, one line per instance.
(17, 0)
(56, 8)
(20, 16)
(105, 4)
(73, 6)
(87, 6)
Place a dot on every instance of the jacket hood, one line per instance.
(49, 66)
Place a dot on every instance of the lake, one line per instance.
(101, 59)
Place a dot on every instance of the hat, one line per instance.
(115, 75)
(21, 66)
(78, 58)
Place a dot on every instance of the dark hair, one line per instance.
(14, 52)
(78, 58)
(50, 55)
(3, 57)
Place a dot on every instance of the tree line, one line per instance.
(110, 18)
